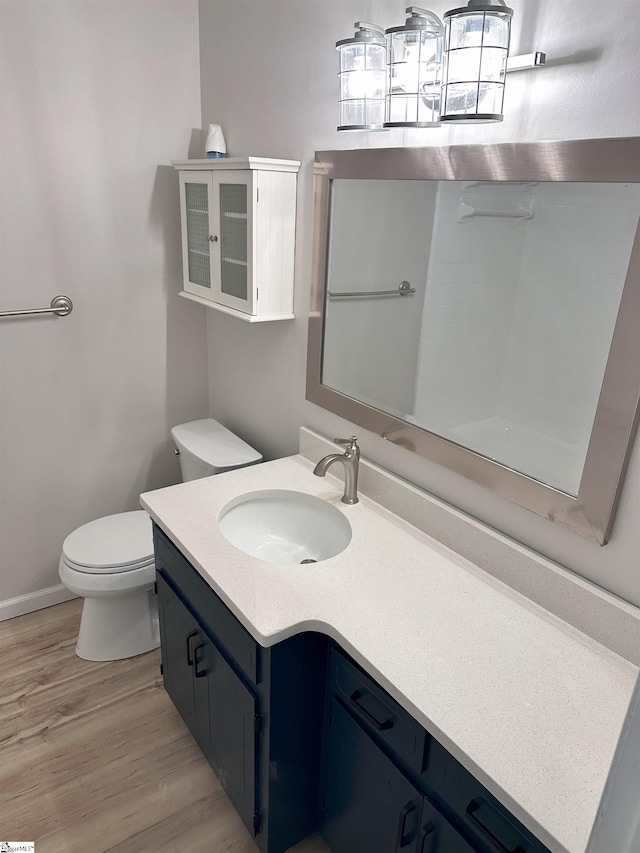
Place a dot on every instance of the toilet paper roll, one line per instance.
(216, 146)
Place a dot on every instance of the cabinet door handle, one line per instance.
(473, 812)
(401, 841)
(359, 700)
(427, 833)
(200, 673)
(190, 638)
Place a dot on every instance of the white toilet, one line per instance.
(109, 562)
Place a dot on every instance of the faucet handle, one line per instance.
(350, 443)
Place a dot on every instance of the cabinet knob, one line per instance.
(213, 238)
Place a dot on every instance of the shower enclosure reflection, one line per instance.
(499, 339)
(503, 346)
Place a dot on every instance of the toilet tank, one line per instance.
(206, 447)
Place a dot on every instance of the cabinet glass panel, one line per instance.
(197, 208)
(233, 238)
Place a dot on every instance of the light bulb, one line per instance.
(408, 71)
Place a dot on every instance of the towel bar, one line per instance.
(60, 305)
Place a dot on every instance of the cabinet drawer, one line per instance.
(379, 713)
(484, 819)
(213, 614)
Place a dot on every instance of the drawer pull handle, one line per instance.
(427, 834)
(200, 673)
(190, 638)
(401, 841)
(359, 700)
(473, 812)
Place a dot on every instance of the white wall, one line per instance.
(96, 98)
(277, 97)
(468, 307)
(573, 269)
(519, 316)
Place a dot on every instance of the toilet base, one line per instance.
(117, 627)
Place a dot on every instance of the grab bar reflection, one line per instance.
(403, 289)
(468, 211)
(501, 184)
(60, 305)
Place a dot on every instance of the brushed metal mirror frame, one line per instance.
(589, 514)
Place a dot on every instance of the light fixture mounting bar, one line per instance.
(526, 60)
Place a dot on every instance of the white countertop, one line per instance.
(527, 703)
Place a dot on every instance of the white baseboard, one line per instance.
(34, 601)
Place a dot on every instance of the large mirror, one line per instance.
(480, 305)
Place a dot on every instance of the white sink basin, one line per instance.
(281, 526)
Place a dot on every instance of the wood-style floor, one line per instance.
(94, 758)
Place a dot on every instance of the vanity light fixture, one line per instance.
(414, 56)
(426, 72)
(363, 78)
(476, 46)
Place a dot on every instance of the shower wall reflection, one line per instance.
(503, 346)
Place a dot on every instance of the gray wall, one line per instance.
(96, 98)
(269, 78)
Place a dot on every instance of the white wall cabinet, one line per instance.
(238, 235)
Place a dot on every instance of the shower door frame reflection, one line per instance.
(590, 513)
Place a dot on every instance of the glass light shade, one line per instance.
(476, 47)
(363, 77)
(415, 71)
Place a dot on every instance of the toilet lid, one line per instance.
(113, 543)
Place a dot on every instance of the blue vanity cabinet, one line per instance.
(492, 828)
(383, 770)
(256, 713)
(303, 739)
(369, 804)
(219, 709)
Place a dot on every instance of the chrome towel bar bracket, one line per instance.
(60, 305)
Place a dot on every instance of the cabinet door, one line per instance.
(232, 753)
(199, 235)
(370, 806)
(220, 711)
(178, 636)
(233, 274)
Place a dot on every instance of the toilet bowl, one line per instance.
(110, 562)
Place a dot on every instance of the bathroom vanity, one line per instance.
(264, 717)
(393, 697)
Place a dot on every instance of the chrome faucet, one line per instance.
(350, 459)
